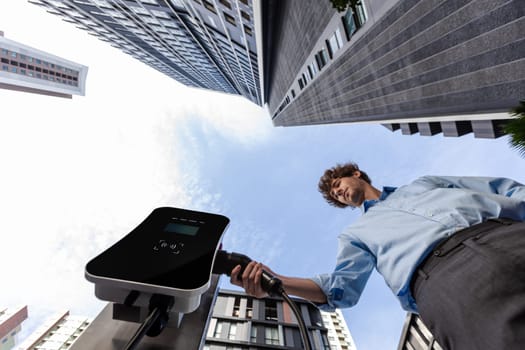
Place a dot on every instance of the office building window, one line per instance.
(349, 24)
(302, 81)
(233, 331)
(248, 30)
(361, 14)
(236, 307)
(324, 340)
(321, 58)
(292, 337)
(249, 308)
(334, 43)
(245, 15)
(226, 3)
(218, 329)
(354, 19)
(271, 335)
(209, 6)
(229, 19)
(253, 334)
(311, 72)
(270, 310)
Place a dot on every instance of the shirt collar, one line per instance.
(367, 204)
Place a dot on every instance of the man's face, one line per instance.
(349, 190)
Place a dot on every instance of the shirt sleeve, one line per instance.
(344, 286)
(496, 185)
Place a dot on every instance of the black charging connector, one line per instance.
(160, 305)
(224, 264)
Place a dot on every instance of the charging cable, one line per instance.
(224, 264)
(160, 305)
(158, 317)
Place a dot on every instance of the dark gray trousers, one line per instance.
(470, 291)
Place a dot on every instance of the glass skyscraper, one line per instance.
(206, 44)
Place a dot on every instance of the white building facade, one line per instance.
(24, 68)
(58, 332)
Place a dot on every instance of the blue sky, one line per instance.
(79, 174)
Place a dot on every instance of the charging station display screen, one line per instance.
(182, 229)
(171, 248)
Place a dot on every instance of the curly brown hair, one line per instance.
(338, 171)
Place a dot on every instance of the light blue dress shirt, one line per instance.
(397, 232)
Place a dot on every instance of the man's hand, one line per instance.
(250, 279)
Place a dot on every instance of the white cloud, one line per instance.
(233, 117)
(79, 174)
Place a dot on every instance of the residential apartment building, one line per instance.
(339, 335)
(207, 44)
(241, 322)
(24, 68)
(58, 332)
(416, 336)
(422, 66)
(10, 325)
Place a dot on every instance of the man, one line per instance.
(450, 248)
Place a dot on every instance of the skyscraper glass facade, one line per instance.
(206, 44)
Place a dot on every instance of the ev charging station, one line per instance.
(161, 281)
(154, 276)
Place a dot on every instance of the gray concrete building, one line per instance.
(207, 44)
(422, 66)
